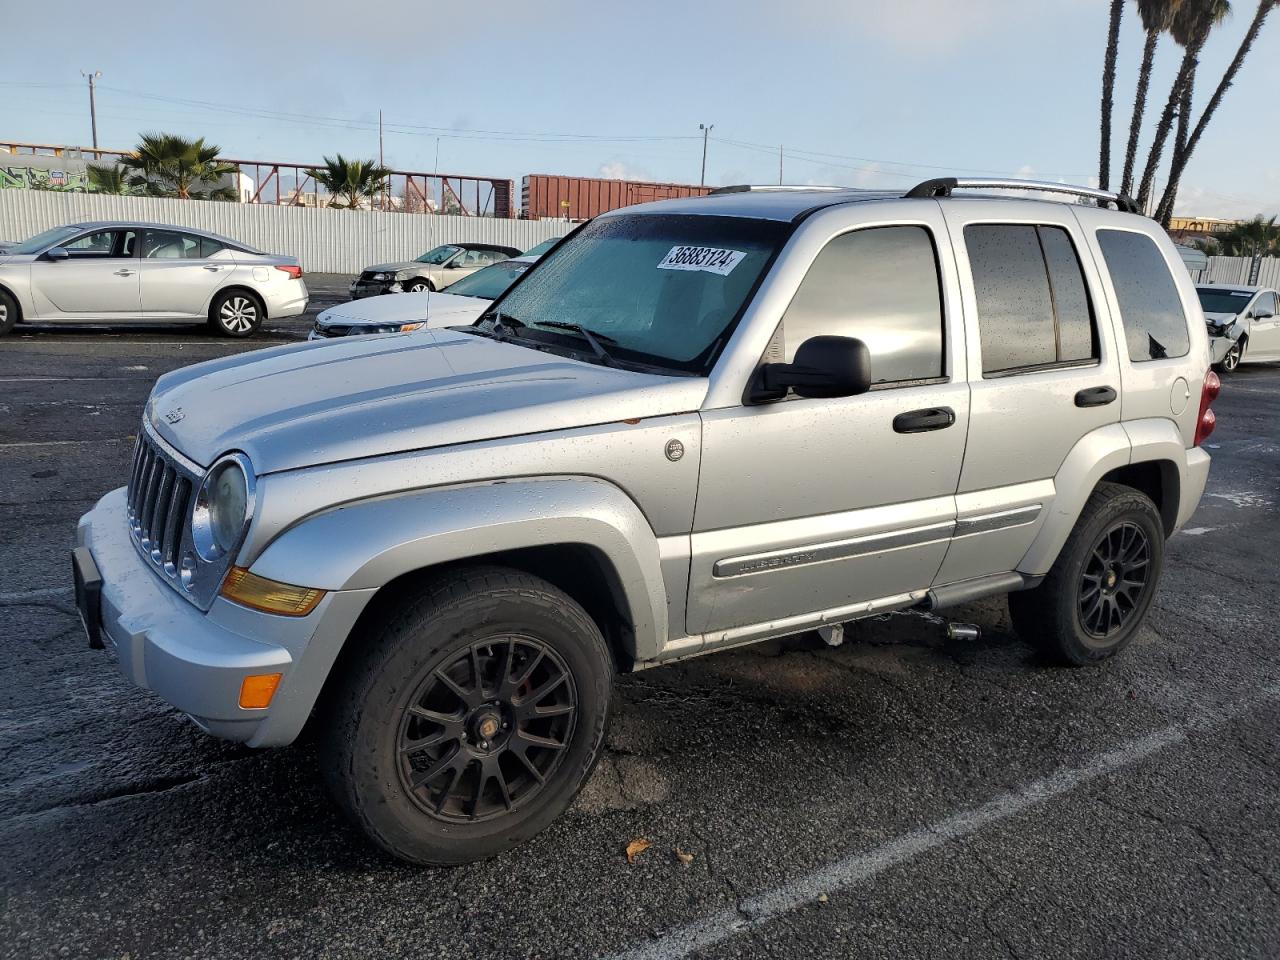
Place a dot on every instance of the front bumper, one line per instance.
(197, 661)
(360, 289)
(1218, 347)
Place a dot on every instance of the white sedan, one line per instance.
(459, 303)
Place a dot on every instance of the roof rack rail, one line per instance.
(942, 187)
(768, 188)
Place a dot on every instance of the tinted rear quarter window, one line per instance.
(1155, 326)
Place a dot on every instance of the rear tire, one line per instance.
(236, 313)
(493, 679)
(8, 313)
(1100, 588)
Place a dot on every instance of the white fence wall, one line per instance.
(323, 239)
(1236, 270)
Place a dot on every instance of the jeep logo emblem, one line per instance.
(675, 450)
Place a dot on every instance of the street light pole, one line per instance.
(706, 131)
(93, 110)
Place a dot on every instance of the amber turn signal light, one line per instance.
(269, 596)
(256, 691)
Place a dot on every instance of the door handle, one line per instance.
(212, 268)
(124, 273)
(921, 421)
(1095, 397)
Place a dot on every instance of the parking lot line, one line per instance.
(65, 443)
(858, 868)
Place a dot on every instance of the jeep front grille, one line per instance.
(159, 505)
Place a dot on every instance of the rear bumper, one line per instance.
(197, 661)
(288, 300)
(1194, 478)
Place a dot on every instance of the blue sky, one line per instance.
(862, 93)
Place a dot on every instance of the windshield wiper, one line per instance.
(590, 336)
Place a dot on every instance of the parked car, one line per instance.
(458, 303)
(437, 268)
(699, 423)
(1242, 324)
(118, 270)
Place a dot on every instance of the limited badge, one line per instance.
(675, 450)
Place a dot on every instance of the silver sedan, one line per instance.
(105, 271)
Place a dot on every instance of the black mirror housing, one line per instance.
(825, 366)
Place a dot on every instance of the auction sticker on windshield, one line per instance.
(711, 259)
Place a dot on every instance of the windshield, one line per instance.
(489, 283)
(664, 290)
(541, 248)
(438, 255)
(1218, 300)
(47, 239)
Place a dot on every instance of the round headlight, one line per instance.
(223, 507)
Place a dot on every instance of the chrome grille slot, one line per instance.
(159, 500)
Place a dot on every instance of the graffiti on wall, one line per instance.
(35, 178)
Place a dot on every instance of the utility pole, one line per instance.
(706, 132)
(93, 110)
(381, 164)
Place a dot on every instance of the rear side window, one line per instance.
(209, 247)
(881, 286)
(1033, 306)
(1155, 326)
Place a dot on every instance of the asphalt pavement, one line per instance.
(900, 796)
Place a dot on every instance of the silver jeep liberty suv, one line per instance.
(695, 424)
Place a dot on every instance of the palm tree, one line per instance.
(1188, 141)
(166, 165)
(350, 180)
(1156, 17)
(1108, 89)
(107, 178)
(1252, 238)
(1190, 28)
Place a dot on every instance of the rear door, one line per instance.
(1042, 372)
(98, 280)
(179, 273)
(1264, 332)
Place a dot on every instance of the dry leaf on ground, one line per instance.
(636, 847)
(683, 857)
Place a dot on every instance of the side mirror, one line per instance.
(824, 366)
(1263, 314)
(54, 254)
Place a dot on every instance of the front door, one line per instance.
(1264, 329)
(180, 272)
(808, 505)
(97, 281)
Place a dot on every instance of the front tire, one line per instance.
(419, 286)
(1232, 359)
(1100, 588)
(236, 313)
(474, 714)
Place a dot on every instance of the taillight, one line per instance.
(1208, 420)
(295, 273)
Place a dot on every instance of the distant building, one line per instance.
(1200, 226)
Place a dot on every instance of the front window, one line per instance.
(42, 241)
(438, 255)
(489, 283)
(658, 290)
(1218, 300)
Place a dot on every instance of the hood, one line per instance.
(402, 265)
(329, 400)
(16, 258)
(440, 309)
(1220, 318)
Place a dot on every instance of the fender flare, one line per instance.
(366, 544)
